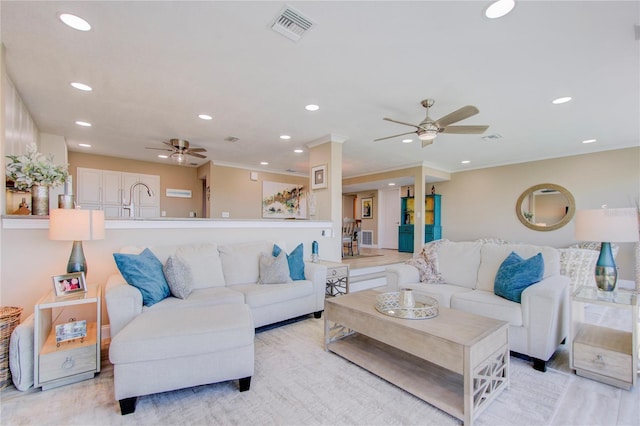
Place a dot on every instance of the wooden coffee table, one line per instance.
(458, 362)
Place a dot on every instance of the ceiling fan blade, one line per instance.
(197, 150)
(464, 129)
(194, 154)
(402, 122)
(458, 115)
(394, 136)
(159, 149)
(168, 143)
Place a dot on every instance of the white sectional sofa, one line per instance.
(221, 275)
(537, 325)
(205, 335)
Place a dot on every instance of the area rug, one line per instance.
(295, 383)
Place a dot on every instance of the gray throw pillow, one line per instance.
(274, 269)
(179, 277)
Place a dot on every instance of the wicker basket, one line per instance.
(9, 319)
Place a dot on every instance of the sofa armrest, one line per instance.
(317, 274)
(545, 312)
(124, 303)
(398, 275)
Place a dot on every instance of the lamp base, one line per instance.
(606, 272)
(77, 262)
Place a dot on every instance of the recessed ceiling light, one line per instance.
(391, 184)
(312, 107)
(84, 145)
(589, 141)
(81, 86)
(499, 8)
(285, 137)
(75, 22)
(162, 156)
(83, 123)
(264, 163)
(298, 151)
(407, 140)
(205, 117)
(562, 100)
(465, 161)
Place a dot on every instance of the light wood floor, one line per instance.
(376, 257)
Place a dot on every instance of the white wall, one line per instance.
(482, 203)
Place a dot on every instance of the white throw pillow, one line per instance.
(274, 269)
(179, 277)
(458, 262)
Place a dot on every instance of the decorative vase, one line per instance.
(40, 200)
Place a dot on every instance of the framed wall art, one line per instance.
(319, 177)
(69, 284)
(284, 200)
(367, 208)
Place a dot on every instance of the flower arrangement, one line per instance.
(34, 168)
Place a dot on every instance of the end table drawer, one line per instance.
(603, 361)
(338, 271)
(55, 365)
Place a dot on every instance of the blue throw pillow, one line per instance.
(295, 260)
(516, 274)
(144, 271)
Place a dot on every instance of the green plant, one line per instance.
(34, 168)
(528, 215)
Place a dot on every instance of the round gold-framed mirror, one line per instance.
(545, 207)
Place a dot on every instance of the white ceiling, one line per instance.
(154, 66)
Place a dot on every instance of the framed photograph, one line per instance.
(70, 331)
(367, 208)
(69, 284)
(319, 177)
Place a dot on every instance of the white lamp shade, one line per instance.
(76, 225)
(607, 225)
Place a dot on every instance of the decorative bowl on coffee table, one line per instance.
(389, 304)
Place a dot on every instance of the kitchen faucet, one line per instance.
(130, 206)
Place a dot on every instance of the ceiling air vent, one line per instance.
(291, 24)
(231, 139)
(492, 137)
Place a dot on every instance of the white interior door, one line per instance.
(389, 207)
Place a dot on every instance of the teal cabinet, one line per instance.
(432, 227)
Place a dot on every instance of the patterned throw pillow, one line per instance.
(274, 269)
(179, 277)
(427, 263)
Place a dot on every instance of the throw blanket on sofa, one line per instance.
(427, 263)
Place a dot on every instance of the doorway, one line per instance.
(389, 220)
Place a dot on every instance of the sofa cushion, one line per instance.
(164, 334)
(178, 276)
(211, 296)
(296, 261)
(489, 305)
(240, 262)
(274, 269)
(257, 295)
(458, 262)
(492, 256)
(515, 274)
(205, 264)
(144, 271)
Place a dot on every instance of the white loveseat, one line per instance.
(223, 274)
(537, 325)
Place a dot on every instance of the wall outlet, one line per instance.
(225, 214)
(192, 214)
(163, 213)
(327, 233)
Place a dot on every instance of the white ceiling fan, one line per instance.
(179, 149)
(429, 128)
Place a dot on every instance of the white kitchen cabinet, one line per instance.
(110, 191)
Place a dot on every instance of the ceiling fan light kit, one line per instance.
(428, 128)
(180, 150)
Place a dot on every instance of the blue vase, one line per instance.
(606, 271)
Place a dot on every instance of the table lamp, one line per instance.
(607, 226)
(76, 225)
